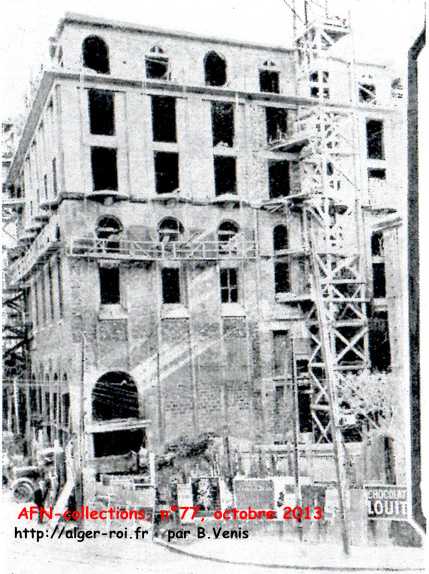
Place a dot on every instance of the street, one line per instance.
(69, 555)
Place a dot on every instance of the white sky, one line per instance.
(384, 29)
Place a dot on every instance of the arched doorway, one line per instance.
(115, 397)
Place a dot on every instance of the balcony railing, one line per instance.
(45, 243)
(154, 250)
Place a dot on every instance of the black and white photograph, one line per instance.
(211, 240)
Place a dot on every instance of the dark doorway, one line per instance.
(115, 396)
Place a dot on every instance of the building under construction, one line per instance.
(209, 248)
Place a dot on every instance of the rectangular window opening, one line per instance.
(379, 280)
(379, 343)
(164, 119)
(166, 172)
(374, 139)
(276, 122)
(225, 175)
(223, 124)
(229, 285)
(377, 174)
(170, 279)
(101, 112)
(279, 178)
(104, 168)
(65, 409)
(377, 244)
(304, 409)
(282, 277)
(109, 285)
(269, 81)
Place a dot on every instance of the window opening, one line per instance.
(170, 280)
(101, 112)
(104, 168)
(157, 64)
(269, 78)
(229, 285)
(276, 122)
(96, 54)
(170, 229)
(225, 175)
(215, 69)
(164, 119)
(109, 285)
(280, 238)
(279, 178)
(374, 139)
(223, 124)
(282, 277)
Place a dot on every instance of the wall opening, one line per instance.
(170, 281)
(101, 112)
(229, 285)
(157, 64)
(227, 231)
(214, 69)
(377, 244)
(278, 178)
(115, 396)
(166, 172)
(164, 119)
(304, 408)
(318, 85)
(225, 175)
(223, 124)
(374, 139)
(276, 122)
(379, 174)
(269, 78)
(109, 229)
(96, 54)
(379, 279)
(104, 168)
(379, 343)
(282, 277)
(110, 292)
(280, 238)
(170, 229)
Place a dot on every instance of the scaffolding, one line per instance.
(336, 315)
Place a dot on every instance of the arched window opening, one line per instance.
(215, 69)
(269, 78)
(280, 238)
(96, 54)
(227, 231)
(115, 396)
(157, 64)
(109, 229)
(108, 226)
(170, 229)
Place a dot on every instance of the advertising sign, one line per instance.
(387, 502)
